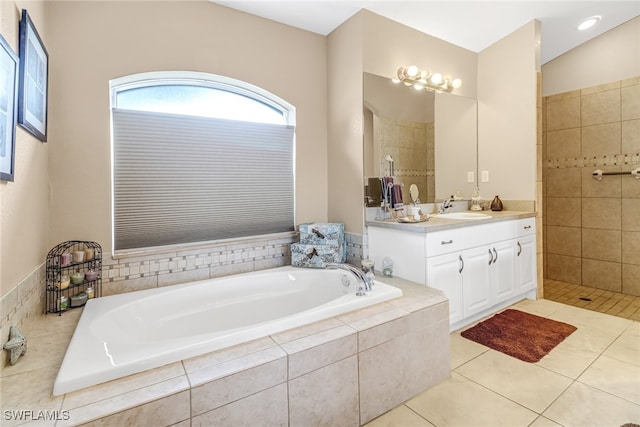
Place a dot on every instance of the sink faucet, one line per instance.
(364, 281)
(446, 204)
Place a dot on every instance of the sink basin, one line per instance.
(462, 215)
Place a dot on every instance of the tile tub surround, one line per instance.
(149, 269)
(592, 229)
(380, 357)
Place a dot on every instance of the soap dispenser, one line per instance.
(475, 200)
(496, 204)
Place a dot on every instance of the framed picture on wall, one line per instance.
(8, 111)
(33, 82)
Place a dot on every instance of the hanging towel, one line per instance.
(396, 194)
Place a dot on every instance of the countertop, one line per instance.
(438, 224)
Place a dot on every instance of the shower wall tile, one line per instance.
(608, 124)
(565, 182)
(563, 113)
(631, 102)
(313, 400)
(269, 407)
(602, 139)
(601, 212)
(631, 213)
(564, 240)
(609, 186)
(631, 279)
(564, 143)
(631, 247)
(564, 211)
(602, 274)
(603, 245)
(564, 268)
(631, 136)
(600, 107)
(601, 88)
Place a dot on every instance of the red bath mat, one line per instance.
(522, 335)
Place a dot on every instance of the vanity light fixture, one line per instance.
(589, 22)
(412, 76)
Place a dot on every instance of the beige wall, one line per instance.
(615, 55)
(507, 126)
(62, 189)
(24, 203)
(94, 42)
(370, 43)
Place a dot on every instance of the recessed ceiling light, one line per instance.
(589, 22)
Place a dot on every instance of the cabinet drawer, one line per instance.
(443, 242)
(485, 234)
(526, 227)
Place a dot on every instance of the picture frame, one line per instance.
(9, 63)
(33, 83)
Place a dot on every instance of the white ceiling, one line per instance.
(471, 24)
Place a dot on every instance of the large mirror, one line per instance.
(430, 137)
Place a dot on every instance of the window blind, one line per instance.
(180, 179)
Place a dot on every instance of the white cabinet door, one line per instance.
(444, 272)
(503, 270)
(526, 271)
(477, 280)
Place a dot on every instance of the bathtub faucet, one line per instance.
(362, 278)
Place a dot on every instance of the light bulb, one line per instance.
(436, 78)
(456, 83)
(395, 80)
(412, 71)
(418, 87)
(589, 22)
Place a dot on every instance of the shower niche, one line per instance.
(73, 275)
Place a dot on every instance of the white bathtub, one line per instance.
(128, 333)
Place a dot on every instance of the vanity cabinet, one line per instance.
(485, 271)
(480, 268)
(526, 278)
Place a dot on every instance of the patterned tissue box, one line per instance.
(315, 256)
(321, 233)
(320, 243)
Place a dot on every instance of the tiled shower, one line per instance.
(591, 227)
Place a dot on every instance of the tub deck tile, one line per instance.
(224, 355)
(119, 386)
(235, 366)
(306, 330)
(125, 401)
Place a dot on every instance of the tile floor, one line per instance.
(592, 378)
(614, 303)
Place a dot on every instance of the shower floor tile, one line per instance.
(613, 303)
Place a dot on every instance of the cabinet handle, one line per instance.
(490, 257)
(447, 242)
(519, 248)
(496, 253)
(461, 263)
(526, 227)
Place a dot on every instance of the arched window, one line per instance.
(198, 157)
